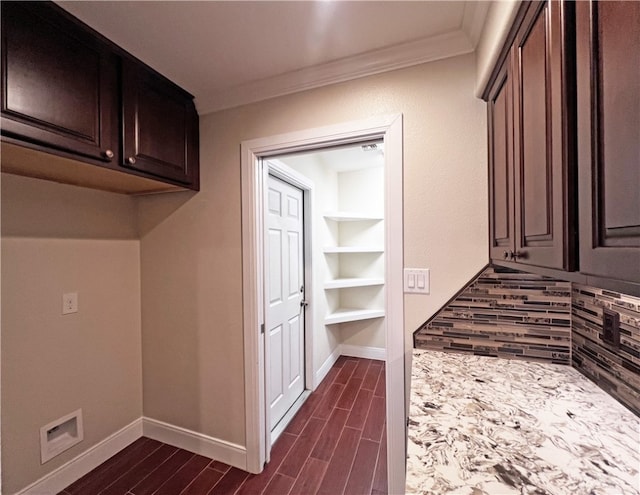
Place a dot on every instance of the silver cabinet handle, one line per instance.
(131, 160)
(108, 154)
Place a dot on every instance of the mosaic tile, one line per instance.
(505, 313)
(617, 370)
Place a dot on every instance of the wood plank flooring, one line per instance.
(335, 444)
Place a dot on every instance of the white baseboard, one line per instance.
(80, 465)
(379, 353)
(326, 366)
(198, 443)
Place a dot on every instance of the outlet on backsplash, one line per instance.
(611, 327)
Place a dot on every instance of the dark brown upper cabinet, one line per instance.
(608, 83)
(531, 114)
(160, 126)
(78, 109)
(59, 84)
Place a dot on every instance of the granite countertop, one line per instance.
(480, 425)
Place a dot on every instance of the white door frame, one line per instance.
(388, 128)
(283, 172)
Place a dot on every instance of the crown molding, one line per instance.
(374, 62)
(475, 14)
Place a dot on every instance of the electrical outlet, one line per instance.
(611, 327)
(69, 303)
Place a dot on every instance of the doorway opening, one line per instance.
(375, 300)
(339, 298)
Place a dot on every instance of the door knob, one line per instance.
(304, 303)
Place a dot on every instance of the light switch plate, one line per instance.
(416, 280)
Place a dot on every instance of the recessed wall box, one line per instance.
(611, 327)
(60, 435)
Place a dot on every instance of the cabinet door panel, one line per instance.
(500, 121)
(609, 138)
(535, 158)
(160, 126)
(543, 147)
(58, 84)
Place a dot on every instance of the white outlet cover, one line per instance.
(69, 303)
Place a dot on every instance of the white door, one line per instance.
(284, 319)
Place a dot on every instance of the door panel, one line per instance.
(535, 156)
(284, 277)
(500, 120)
(543, 146)
(275, 384)
(275, 267)
(609, 138)
(50, 65)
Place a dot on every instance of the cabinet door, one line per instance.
(160, 134)
(608, 64)
(500, 127)
(58, 83)
(543, 113)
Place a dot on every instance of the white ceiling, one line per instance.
(228, 53)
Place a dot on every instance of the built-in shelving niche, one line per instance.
(353, 251)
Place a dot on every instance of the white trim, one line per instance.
(374, 62)
(363, 352)
(76, 468)
(394, 302)
(198, 443)
(390, 129)
(326, 367)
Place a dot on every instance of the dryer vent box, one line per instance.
(60, 435)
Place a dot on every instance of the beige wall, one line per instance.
(191, 243)
(56, 239)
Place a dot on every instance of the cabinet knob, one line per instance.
(519, 254)
(131, 160)
(108, 154)
(506, 255)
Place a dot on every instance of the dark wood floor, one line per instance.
(336, 444)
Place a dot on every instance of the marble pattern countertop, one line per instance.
(481, 425)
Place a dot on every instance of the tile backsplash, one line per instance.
(516, 315)
(505, 313)
(616, 370)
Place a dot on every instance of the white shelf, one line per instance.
(340, 216)
(345, 315)
(353, 249)
(341, 283)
